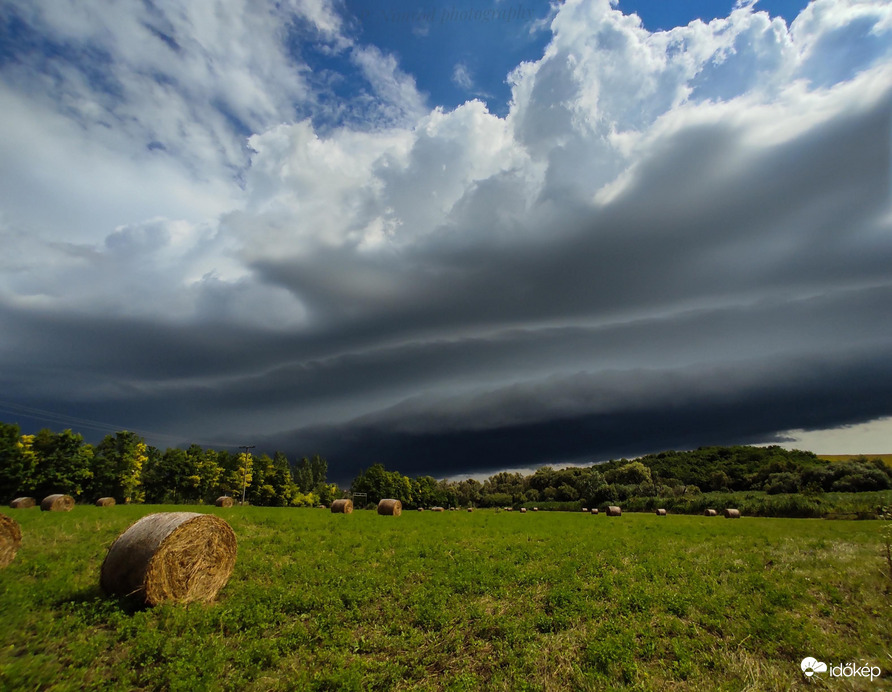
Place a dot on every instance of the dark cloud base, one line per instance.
(831, 396)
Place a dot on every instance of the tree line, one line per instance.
(123, 466)
(670, 474)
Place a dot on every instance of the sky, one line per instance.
(452, 238)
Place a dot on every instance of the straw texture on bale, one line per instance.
(23, 503)
(177, 557)
(390, 508)
(224, 501)
(105, 502)
(594, 510)
(57, 503)
(661, 512)
(614, 511)
(10, 539)
(710, 513)
(732, 514)
(342, 507)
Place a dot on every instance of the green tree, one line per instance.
(118, 466)
(632, 473)
(18, 462)
(63, 463)
(379, 483)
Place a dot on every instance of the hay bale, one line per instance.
(535, 509)
(421, 509)
(585, 510)
(390, 508)
(224, 501)
(23, 503)
(177, 557)
(710, 513)
(342, 507)
(437, 509)
(105, 502)
(523, 510)
(10, 539)
(661, 512)
(57, 503)
(732, 514)
(470, 509)
(614, 511)
(594, 510)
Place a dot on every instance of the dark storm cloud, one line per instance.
(745, 402)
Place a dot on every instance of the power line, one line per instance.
(78, 422)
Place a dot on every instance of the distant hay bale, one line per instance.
(470, 509)
(661, 512)
(535, 509)
(105, 502)
(509, 509)
(421, 509)
(437, 509)
(732, 514)
(594, 510)
(585, 509)
(523, 510)
(23, 503)
(614, 511)
(224, 501)
(342, 507)
(177, 557)
(710, 513)
(390, 508)
(57, 503)
(10, 539)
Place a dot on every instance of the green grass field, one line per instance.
(459, 601)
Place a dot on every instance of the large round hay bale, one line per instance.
(105, 502)
(710, 513)
(224, 501)
(614, 511)
(732, 514)
(10, 539)
(585, 510)
(390, 508)
(535, 509)
(523, 510)
(594, 510)
(179, 557)
(470, 509)
(57, 503)
(421, 509)
(342, 507)
(438, 509)
(23, 503)
(661, 512)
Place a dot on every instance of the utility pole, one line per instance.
(245, 472)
